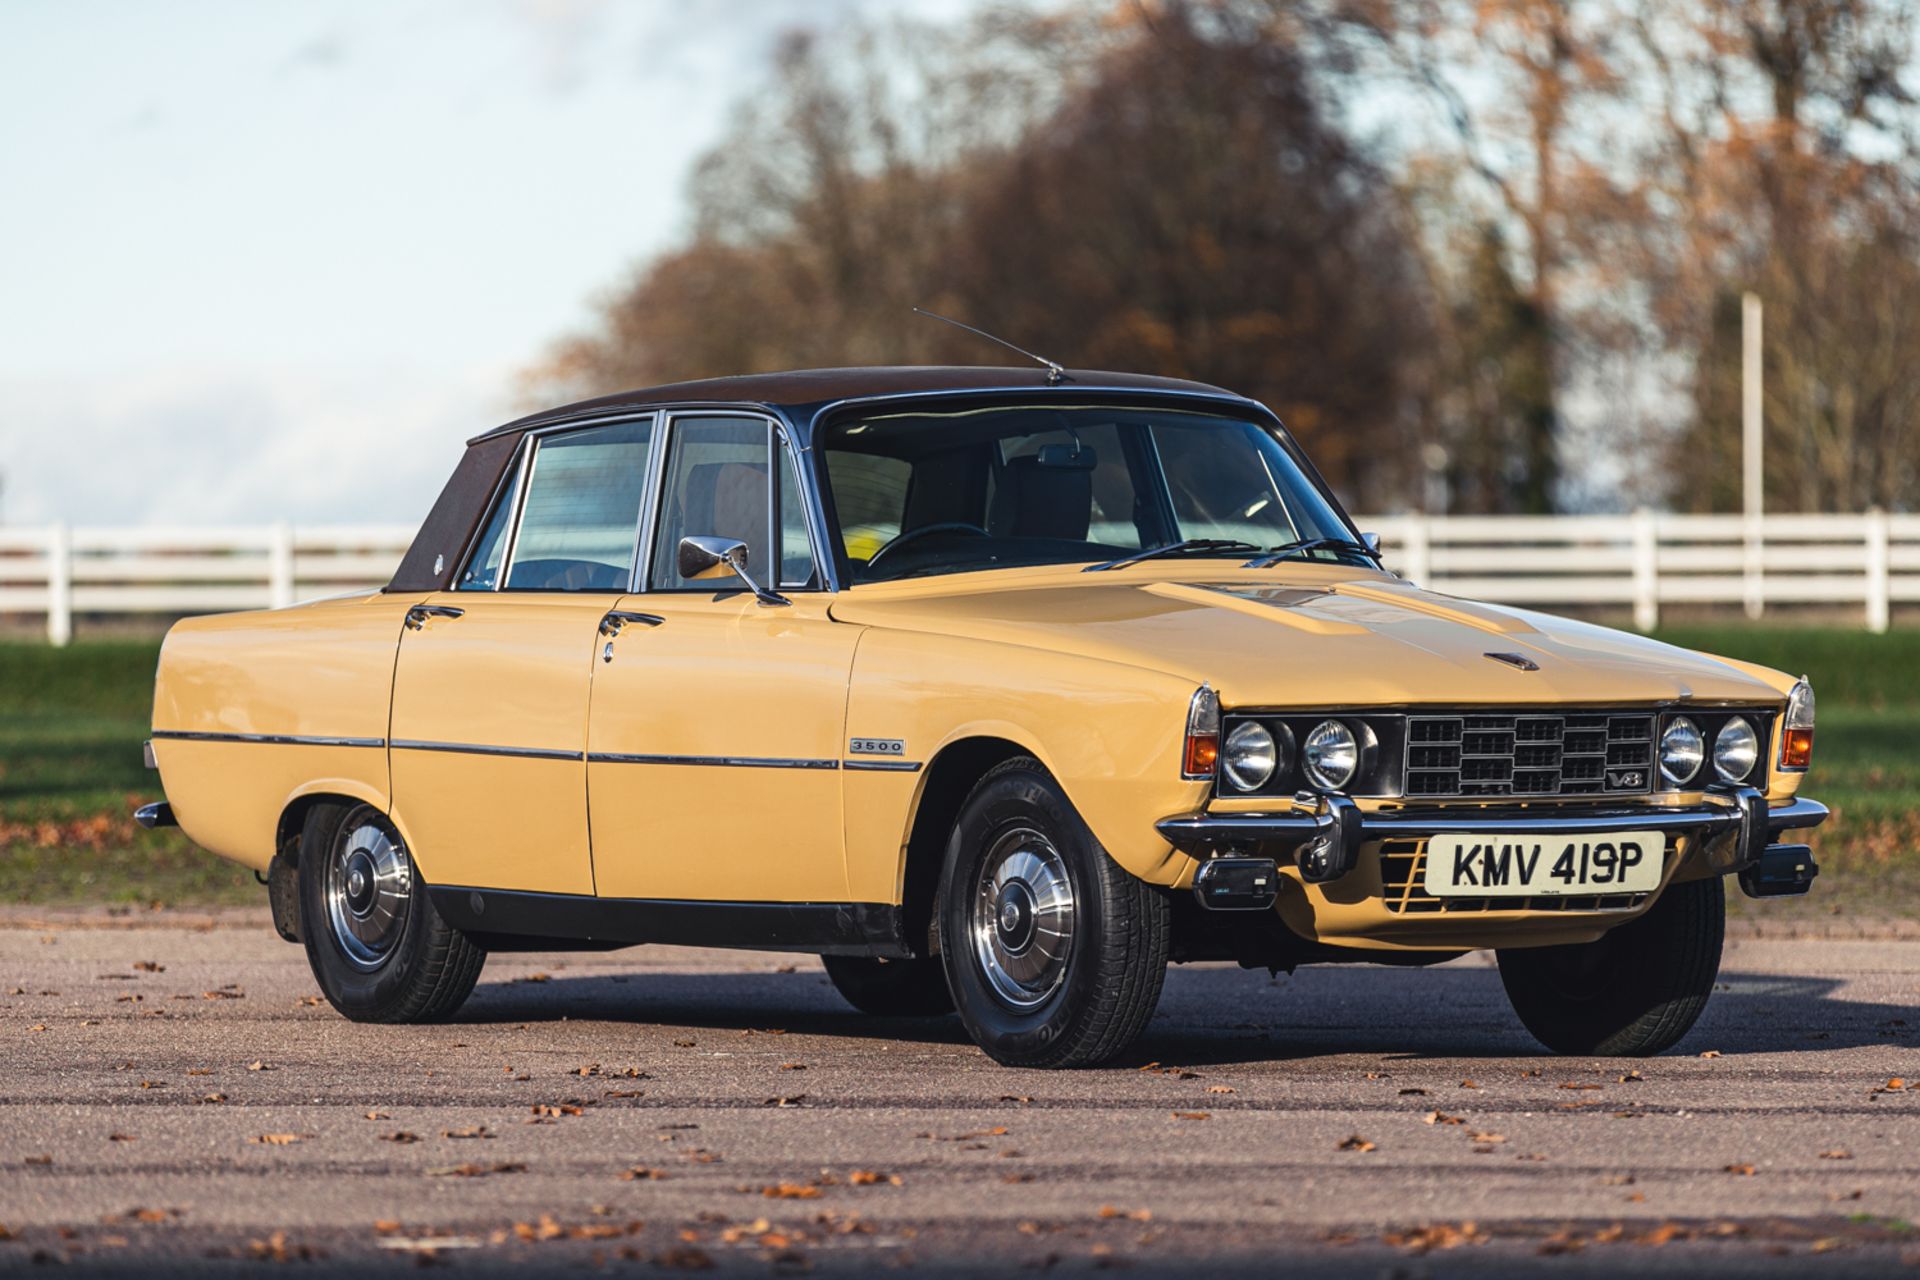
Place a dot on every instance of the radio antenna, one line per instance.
(1055, 374)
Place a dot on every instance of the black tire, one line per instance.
(914, 988)
(422, 971)
(1634, 992)
(1099, 991)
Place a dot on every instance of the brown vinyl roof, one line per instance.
(813, 387)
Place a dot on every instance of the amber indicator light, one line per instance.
(1796, 749)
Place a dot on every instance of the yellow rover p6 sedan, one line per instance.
(998, 689)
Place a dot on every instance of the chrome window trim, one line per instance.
(882, 766)
(728, 762)
(483, 749)
(779, 433)
(268, 739)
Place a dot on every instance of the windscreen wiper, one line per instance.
(1287, 550)
(1233, 545)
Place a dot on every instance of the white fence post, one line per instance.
(59, 584)
(280, 566)
(1646, 570)
(1756, 585)
(1879, 586)
(1419, 561)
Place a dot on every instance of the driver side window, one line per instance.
(717, 486)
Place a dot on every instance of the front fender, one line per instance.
(1111, 735)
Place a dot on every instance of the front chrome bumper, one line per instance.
(1333, 831)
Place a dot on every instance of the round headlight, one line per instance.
(1251, 756)
(1735, 748)
(1681, 751)
(1330, 755)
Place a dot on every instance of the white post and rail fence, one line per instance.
(1639, 563)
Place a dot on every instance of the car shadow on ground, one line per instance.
(1217, 1015)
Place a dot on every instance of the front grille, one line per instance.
(1403, 867)
(1529, 753)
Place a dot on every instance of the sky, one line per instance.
(278, 260)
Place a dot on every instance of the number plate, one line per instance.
(1494, 866)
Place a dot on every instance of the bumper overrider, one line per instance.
(1322, 836)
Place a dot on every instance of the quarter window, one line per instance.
(483, 568)
(581, 518)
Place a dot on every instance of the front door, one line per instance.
(491, 692)
(717, 729)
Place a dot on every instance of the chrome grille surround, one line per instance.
(1535, 753)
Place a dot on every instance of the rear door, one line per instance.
(490, 698)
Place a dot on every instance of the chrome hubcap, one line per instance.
(1023, 918)
(369, 888)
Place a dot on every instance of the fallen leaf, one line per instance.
(641, 1173)
(475, 1170)
(471, 1131)
(1355, 1143)
(1836, 1154)
(1413, 1093)
(260, 1066)
(1219, 1088)
(1632, 1077)
(1193, 1115)
(378, 1115)
(870, 1178)
(1131, 1215)
(1710, 1053)
(790, 1191)
(1441, 1117)
(1574, 1084)
(684, 1258)
(1468, 1084)
(279, 1139)
(1741, 1170)
(1437, 1235)
(401, 1136)
(148, 966)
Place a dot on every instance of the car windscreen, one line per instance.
(921, 493)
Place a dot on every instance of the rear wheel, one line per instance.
(913, 988)
(1636, 990)
(379, 950)
(1054, 954)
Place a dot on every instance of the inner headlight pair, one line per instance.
(1253, 755)
(1683, 749)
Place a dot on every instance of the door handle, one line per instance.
(418, 615)
(616, 621)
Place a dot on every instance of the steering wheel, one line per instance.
(903, 538)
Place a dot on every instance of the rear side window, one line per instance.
(580, 521)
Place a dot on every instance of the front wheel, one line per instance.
(1636, 990)
(1054, 954)
(379, 950)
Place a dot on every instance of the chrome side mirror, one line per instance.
(702, 556)
(1372, 540)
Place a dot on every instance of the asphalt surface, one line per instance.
(176, 1099)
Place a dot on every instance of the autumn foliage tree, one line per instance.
(1482, 255)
